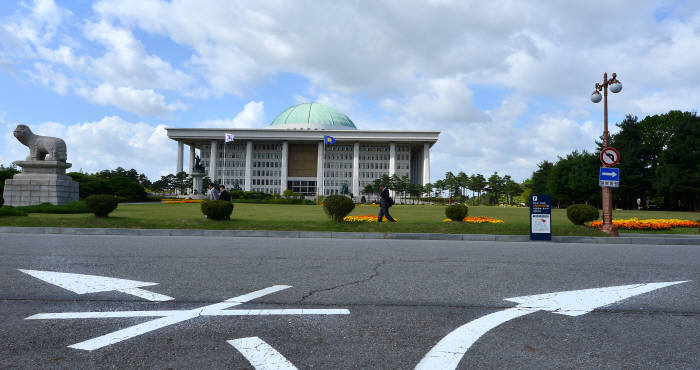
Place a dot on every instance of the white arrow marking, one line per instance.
(448, 352)
(82, 284)
(611, 174)
(170, 317)
(261, 355)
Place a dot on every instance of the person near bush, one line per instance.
(223, 194)
(384, 203)
(212, 193)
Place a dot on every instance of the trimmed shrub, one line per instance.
(581, 213)
(101, 204)
(456, 212)
(217, 209)
(11, 211)
(363, 199)
(338, 206)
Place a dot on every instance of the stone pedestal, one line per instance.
(197, 182)
(40, 182)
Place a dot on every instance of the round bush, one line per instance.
(456, 212)
(101, 204)
(338, 206)
(581, 213)
(217, 209)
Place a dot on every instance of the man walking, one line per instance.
(384, 203)
(212, 193)
(223, 194)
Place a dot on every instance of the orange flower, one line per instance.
(649, 224)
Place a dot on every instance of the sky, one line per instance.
(507, 82)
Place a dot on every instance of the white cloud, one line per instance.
(45, 75)
(252, 116)
(441, 101)
(143, 102)
(126, 62)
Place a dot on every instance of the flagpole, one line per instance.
(223, 172)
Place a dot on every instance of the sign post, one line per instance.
(540, 217)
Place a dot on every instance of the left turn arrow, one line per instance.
(82, 284)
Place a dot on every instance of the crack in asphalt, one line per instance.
(374, 274)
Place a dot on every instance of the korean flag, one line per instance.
(228, 138)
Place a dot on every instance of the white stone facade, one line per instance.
(260, 159)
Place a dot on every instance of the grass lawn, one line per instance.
(312, 218)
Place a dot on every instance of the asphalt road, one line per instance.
(403, 297)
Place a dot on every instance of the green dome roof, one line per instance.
(312, 116)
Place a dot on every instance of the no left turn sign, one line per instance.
(609, 156)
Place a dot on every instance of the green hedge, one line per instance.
(582, 213)
(101, 204)
(11, 211)
(217, 209)
(338, 206)
(72, 207)
(456, 212)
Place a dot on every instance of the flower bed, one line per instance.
(181, 201)
(365, 218)
(649, 224)
(478, 220)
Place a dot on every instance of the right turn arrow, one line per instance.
(449, 351)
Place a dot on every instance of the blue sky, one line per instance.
(506, 82)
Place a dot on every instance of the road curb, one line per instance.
(667, 239)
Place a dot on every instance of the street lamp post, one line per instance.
(615, 87)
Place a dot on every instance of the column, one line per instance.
(426, 163)
(213, 158)
(392, 166)
(285, 164)
(356, 171)
(179, 157)
(248, 166)
(319, 169)
(192, 149)
(392, 159)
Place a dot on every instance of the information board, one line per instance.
(540, 217)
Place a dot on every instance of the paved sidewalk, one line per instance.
(663, 239)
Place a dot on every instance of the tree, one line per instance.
(541, 177)
(6, 173)
(574, 179)
(511, 188)
(478, 183)
(678, 171)
(635, 163)
(463, 182)
(496, 184)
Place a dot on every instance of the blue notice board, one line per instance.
(540, 217)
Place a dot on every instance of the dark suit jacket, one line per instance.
(224, 196)
(384, 198)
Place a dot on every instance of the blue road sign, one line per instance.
(609, 177)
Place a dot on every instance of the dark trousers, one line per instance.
(384, 211)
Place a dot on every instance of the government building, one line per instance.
(309, 148)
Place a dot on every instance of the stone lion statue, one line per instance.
(41, 147)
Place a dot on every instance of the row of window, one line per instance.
(267, 182)
(337, 174)
(266, 173)
(267, 164)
